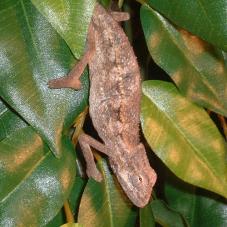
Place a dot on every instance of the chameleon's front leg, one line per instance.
(86, 142)
(72, 80)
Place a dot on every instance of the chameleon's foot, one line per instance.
(73, 78)
(94, 173)
(65, 82)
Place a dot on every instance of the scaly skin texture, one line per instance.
(115, 95)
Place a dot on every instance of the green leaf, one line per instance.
(147, 217)
(195, 66)
(32, 53)
(166, 216)
(74, 201)
(9, 121)
(70, 18)
(200, 208)
(104, 204)
(58, 220)
(34, 184)
(184, 137)
(105, 3)
(158, 211)
(205, 18)
(76, 194)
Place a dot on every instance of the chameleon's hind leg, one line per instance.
(120, 16)
(72, 80)
(86, 142)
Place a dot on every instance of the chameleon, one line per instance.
(114, 105)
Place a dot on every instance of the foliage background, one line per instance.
(180, 47)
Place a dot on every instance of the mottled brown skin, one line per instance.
(114, 102)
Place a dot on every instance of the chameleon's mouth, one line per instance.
(138, 188)
(138, 196)
(140, 199)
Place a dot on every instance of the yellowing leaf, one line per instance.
(184, 137)
(195, 66)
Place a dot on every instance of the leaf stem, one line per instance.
(120, 3)
(68, 213)
(79, 125)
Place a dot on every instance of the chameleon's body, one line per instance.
(114, 106)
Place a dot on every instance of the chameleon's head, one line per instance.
(136, 176)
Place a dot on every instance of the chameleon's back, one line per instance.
(115, 82)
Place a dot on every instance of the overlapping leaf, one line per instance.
(206, 19)
(146, 217)
(9, 121)
(76, 193)
(158, 211)
(200, 208)
(31, 54)
(74, 202)
(165, 216)
(184, 137)
(197, 68)
(70, 18)
(58, 220)
(34, 184)
(104, 204)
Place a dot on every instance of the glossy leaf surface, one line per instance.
(165, 216)
(76, 193)
(195, 66)
(184, 137)
(58, 220)
(9, 121)
(34, 183)
(40, 55)
(70, 18)
(146, 217)
(104, 204)
(200, 208)
(205, 18)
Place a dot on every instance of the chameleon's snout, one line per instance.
(143, 184)
(138, 178)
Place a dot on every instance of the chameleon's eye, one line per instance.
(137, 180)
